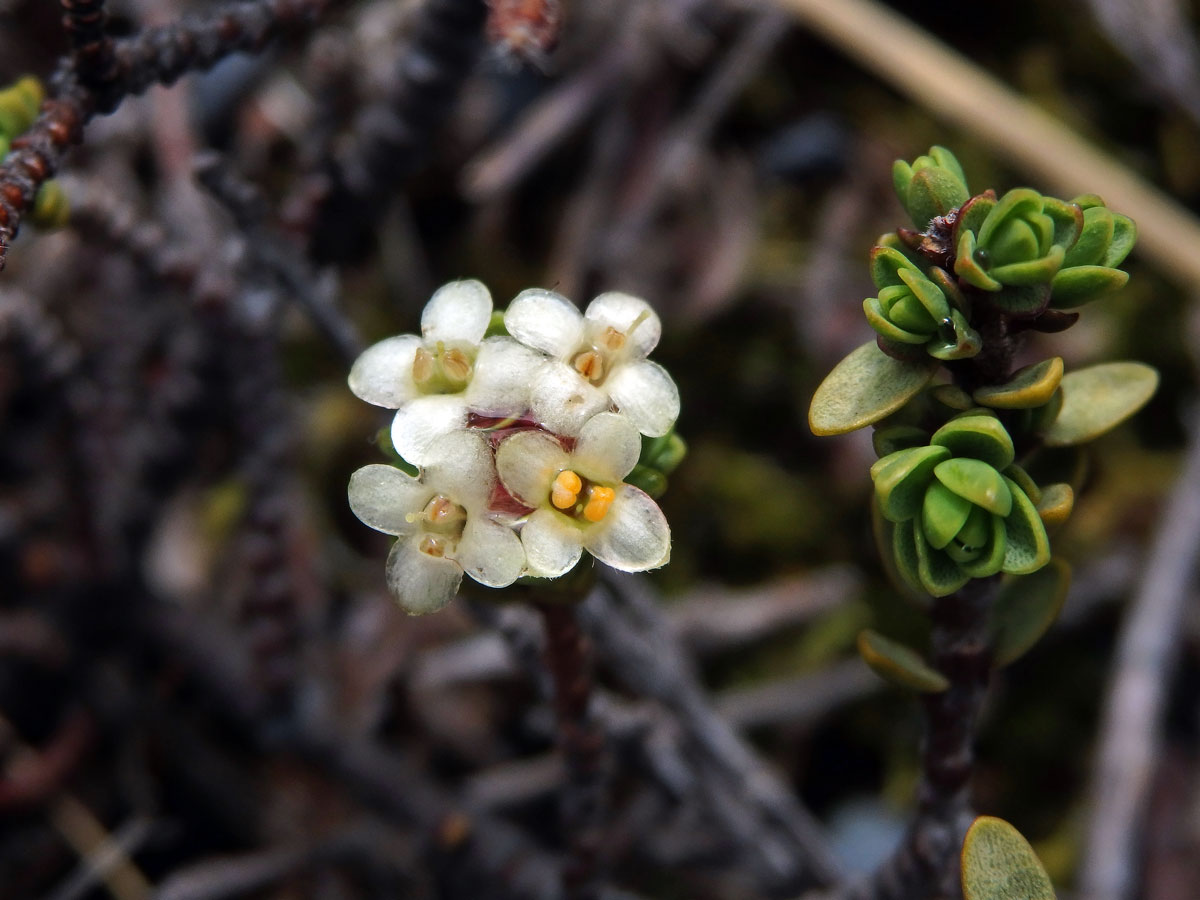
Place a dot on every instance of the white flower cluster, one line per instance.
(523, 441)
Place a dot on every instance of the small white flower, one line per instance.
(597, 361)
(441, 523)
(435, 380)
(580, 501)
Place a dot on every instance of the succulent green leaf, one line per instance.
(1029, 387)
(948, 285)
(1055, 505)
(903, 552)
(975, 211)
(1067, 218)
(899, 664)
(902, 175)
(1094, 240)
(938, 573)
(928, 294)
(880, 321)
(1124, 237)
(1027, 548)
(898, 437)
(975, 480)
(1082, 284)
(1025, 482)
(1025, 608)
(967, 267)
(977, 437)
(933, 191)
(943, 514)
(901, 478)
(947, 160)
(1017, 203)
(1029, 271)
(1018, 240)
(886, 265)
(991, 560)
(1099, 398)
(866, 386)
(999, 864)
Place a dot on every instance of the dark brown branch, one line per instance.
(925, 866)
(86, 24)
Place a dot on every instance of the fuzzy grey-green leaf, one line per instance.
(1099, 398)
(999, 864)
(863, 388)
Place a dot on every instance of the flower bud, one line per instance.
(930, 186)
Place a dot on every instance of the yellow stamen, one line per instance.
(590, 365)
(599, 500)
(565, 490)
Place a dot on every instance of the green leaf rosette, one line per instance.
(958, 512)
(912, 311)
(1013, 247)
(1089, 269)
(930, 186)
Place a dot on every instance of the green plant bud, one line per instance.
(930, 186)
(957, 516)
(19, 105)
(1020, 242)
(652, 481)
(912, 310)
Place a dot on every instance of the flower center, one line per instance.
(596, 361)
(580, 498)
(442, 370)
(442, 522)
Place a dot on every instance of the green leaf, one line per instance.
(973, 213)
(1026, 301)
(943, 514)
(978, 482)
(1025, 608)
(967, 267)
(1027, 546)
(938, 573)
(977, 437)
(1016, 203)
(992, 561)
(1082, 284)
(1029, 272)
(866, 386)
(1124, 237)
(880, 321)
(1098, 399)
(1094, 240)
(1055, 505)
(899, 664)
(999, 864)
(901, 478)
(1029, 387)
(933, 192)
(897, 547)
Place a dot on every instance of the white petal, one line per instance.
(457, 312)
(632, 316)
(545, 321)
(382, 496)
(420, 583)
(634, 536)
(647, 394)
(552, 545)
(562, 400)
(527, 463)
(608, 447)
(490, 553)
(460, 466)
(423, 420)
(503, 371)
(382, 374)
